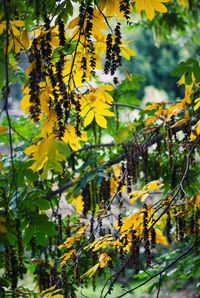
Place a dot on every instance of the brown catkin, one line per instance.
(168, 227)
(147, 251)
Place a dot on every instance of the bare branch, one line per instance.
(116, 159)
(127, 106)
(159, 273)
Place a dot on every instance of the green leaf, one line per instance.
(11, 238)
(63, 148)
(28, 234)
(188, 78)
(196, 71)
(42, 204)
(30, 175)
(41, 239)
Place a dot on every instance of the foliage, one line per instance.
(72, 206)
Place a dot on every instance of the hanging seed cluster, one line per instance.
(135, 252)
(126, 9)
(46, 67)
(147, 251)
(105, 192)
(113, 52)
(35, 78)
(132, 164)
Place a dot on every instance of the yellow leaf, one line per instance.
(198, 127)
(15, 31)
(101, 120)
(10, 43)
(150, 119)
(198, 104)
(2, 27)
(160, 238)
(81, 230)
(104, 96)
(192, 136)
(91, 271)
(18, 23)
(55, 42)
(48, 123)
(67, 256)
(103, 259)
(105, 87)
(3, 129)
(127, 52)
(105, 112)
(30, 149)
(127, 73)
(144, 196)
(25, 39)
(89, 118)
(133, 199)
(180, 122)
(85, 110)
(73, 144)
(79, 203)
(83, 136)
(150, 6)
(197, 201)
(73, 23)
(3, 229)
(30, 68)
(17, 46)
(39, 163)
(153, 185)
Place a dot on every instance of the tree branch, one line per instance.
(116, 159)
(159, 273)
(127, 106)
(96, 146)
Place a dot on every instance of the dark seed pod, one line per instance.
(168, 228)
(61, 30)
(92, 234)
(145, 162)
(135, 252)
(53, 276)
(147, 251)
(125, 8)
(108, 62)
(20, 250)
(105, 192)
(64, 284)
(153, 238)
(116, 59)
(33, 247)
(86, 199)
(115, 81)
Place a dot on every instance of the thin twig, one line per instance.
(127, 106)
(159, 285)
(87, 147)
(116, 159)
(158, 273)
